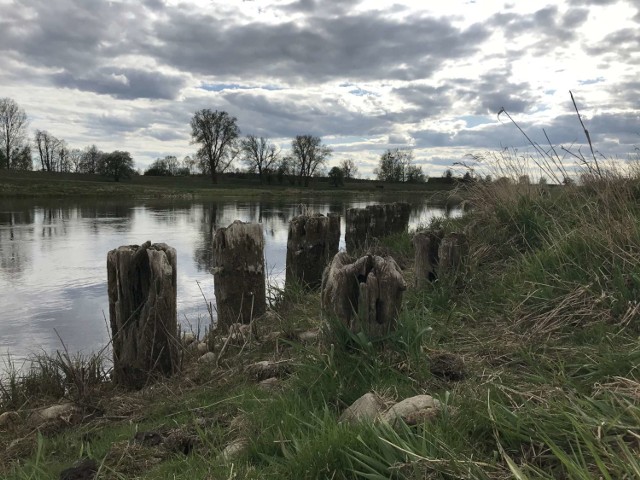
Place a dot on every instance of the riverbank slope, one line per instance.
(532, 352)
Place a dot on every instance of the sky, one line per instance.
(365, 75)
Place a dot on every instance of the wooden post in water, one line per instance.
(426, 246)
(142, 312)
(365, 295)
(374, 221)
(238, 273)
(452, 254)
(312, 242)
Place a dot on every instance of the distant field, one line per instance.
(37, 184)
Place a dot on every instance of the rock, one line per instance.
(66, 412)
(265, 369)
(202, 348)
(84, 469)
(188, 338)
(367, 408)
(180, 442)
(309, 336)
(448, 366)
(234, 449)
(9, 419)
(413, 410)
(148, 439)
(270, 384)
(208, 357)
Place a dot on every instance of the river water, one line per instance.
(53, 276)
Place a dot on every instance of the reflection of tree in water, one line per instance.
(113, 217)
(168, 214)
(16, 232)
(203, 253)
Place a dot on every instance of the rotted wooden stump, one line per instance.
(238, 273)
(374, 221)
(313, 241)
(365, 295)
(142, 312)
(426, 245)
(453, 254)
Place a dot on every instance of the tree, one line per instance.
(308, 154)
(259, 154)
(91, 159)
(336, 176)
(191, 164)
(217, 133)
(13, 130)
(22, 158)
(349, 168)
(394, 165)
(47, 146)
(75, 159)
(414, 174)
(117, 164)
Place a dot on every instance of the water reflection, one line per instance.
(53, 258)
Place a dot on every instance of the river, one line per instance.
(53, 276)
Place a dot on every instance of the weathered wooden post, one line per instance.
(313, 241)
(142, 312)
(238, 273)
(365, 295)
(426, 245)
(374, 221)
(452, 254)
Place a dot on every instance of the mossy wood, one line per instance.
(142, 312)
(375, 221)
(365, 294)
(238, 273)
(426, 245)
(312, 242)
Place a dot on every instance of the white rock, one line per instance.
(64, 411)
(208, 357)
(367, 408)
(8, 419)
(310, 336)
(203, 348)
(270, 384)
(188, 338)
(413, 410)
(235, 448)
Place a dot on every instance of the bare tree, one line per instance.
(394, 165)
(217, 133)
(47, 146)
(259, 154)
(75, 159)
(349, 168)
(13, 130)
(309, 154)
(91, 159)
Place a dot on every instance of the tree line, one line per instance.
(52, 153)
(217, 135)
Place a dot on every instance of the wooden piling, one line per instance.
(142, 312)
(238, 273)
(312, 242)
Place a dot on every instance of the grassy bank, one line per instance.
(47, 184)
(542, 329)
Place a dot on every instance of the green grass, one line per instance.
(545, 320)
(18, 184)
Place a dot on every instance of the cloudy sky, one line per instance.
(363, 75)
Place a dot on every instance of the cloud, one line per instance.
(127, 83)
(359, 46)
